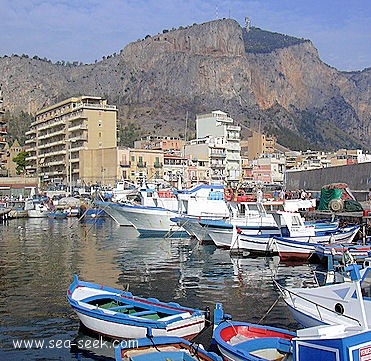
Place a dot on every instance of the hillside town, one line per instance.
(74, 143)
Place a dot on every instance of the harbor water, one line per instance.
(38, 258)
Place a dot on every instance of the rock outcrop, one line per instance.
(207, 67)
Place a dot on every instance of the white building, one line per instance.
(218, 145)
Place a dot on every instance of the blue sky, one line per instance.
(76, 30)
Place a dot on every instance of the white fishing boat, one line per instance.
(38, 210)
(333, 303)
(250, 217)
(4, 211)
(295, 239)
(123, 190)
(301, 248)
(19, 208)
(112, 209)
(157, 216)
(150, 196)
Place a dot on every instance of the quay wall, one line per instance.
(357, 176)
(17, 182)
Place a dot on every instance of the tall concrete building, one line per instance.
(259, 144)
(60, 134)
(222, 140)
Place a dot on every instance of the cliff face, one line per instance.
(203, 68)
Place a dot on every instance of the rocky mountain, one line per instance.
(265, 81)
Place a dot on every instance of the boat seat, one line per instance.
(122, 309)
(180, 316)
(280, 344)
(146, 314)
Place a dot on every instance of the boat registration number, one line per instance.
(365, 353)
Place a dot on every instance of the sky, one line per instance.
(86, 31)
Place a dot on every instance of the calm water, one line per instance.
(38, 258)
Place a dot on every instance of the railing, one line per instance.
(125, 164)
(157, 165)
(315, 307)
(141, 164)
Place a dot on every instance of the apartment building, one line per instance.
(137, 165)
(216, 129)
(269, 169)
(167, 144)
(61, 132)
(202, 165)
(259, 144)
(349, 156)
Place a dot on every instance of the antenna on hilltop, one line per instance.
(216, 11)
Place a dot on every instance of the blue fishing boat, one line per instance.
(58, 214)
(162, 348)
(343, 253)
(121, 315)
(242, 341)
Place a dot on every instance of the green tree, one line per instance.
(18, 124)
(21, 162)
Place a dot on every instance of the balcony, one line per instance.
(125, 164)
(217, 155)
(81, 126)
(51, 134)
(141, 164)
(217, 165)
(53, 124)
(157, 165)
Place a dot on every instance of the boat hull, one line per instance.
(121, 315)
(222, 236)
(330, 304)
(150, 221)
(124, 331)
(194, 229)
(113, 210)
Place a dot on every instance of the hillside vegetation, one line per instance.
(262, 41)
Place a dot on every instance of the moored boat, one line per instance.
(242, 341)
(121, 315)
(340, 302)
(112, 209)
(295, 240)
(4, 211)
(19, 208)
(38, 210)
(301, 248)
(158, 209)
(57, 214)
